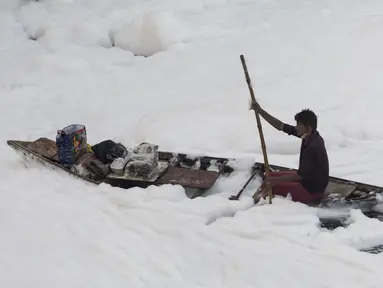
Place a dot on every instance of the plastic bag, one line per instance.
(107, 151)
(146, 148)
(71, 143)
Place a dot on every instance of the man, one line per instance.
(310, 181)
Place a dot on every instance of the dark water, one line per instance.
(332, 224)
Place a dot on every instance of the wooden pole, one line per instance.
(259, 124)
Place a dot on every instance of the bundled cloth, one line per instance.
(143, 161)
(90, 166)
(106, 156)
(118, 165)
(95, 163)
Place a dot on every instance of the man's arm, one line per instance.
(276, 123)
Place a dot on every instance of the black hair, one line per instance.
(307, 118)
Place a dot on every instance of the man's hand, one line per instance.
(277, 124)
(254, 105)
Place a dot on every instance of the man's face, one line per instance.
(301, 129)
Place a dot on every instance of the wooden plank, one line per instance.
(44, 147)
(189, 177)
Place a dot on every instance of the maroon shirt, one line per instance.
(313, 161)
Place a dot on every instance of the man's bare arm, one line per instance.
(276, 123)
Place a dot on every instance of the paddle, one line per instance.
(259, 124)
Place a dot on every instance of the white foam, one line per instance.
(190, 96)
(148, 34)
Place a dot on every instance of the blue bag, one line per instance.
(71, 143)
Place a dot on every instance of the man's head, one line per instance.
(306, 122)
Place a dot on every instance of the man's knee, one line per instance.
(280, 173)
(282, 189)
(296, 190)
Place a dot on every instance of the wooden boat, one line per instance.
(197, 174)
